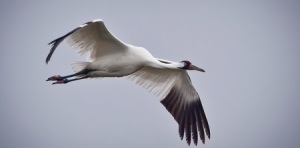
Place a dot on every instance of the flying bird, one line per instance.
(110, 57)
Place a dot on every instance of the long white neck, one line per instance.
(165, 64)
(151, 61)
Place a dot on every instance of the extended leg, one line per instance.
(59, 78)
(65, 80)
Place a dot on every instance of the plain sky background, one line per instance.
(250, 91)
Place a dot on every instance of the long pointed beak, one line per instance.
(193, 67)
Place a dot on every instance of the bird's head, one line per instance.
(187, 65)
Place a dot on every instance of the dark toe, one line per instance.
(55, 78)
(63, 81)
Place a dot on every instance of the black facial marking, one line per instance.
(186, 64)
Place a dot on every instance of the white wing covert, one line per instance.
(179, 97)
(157, 81)
(91, 37)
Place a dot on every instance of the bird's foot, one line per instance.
(63, 81)
(55, 78)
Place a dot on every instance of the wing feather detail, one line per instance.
(179, 97)
(92, 37)
(157, 81)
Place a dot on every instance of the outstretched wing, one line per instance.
(179, 97)
(91, 37)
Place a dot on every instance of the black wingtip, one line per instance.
(191, 119)
(57, 41)
(54, 44)
(47, 60)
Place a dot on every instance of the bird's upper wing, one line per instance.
(179, 97)
(92, 37)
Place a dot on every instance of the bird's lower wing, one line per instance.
(179, 97)
(91, 37)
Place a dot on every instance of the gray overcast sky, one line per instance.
(250, 90)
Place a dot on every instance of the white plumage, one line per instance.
(110, 57)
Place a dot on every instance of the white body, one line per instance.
(129, 61)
